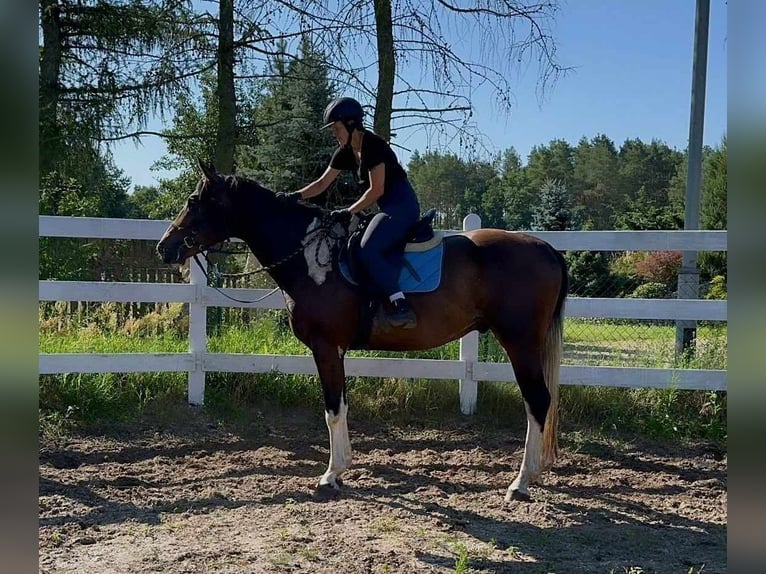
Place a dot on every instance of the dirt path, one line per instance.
(213, 499)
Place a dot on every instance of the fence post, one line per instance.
(469, 346)
(197, 333)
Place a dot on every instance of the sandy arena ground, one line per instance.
(203, 498)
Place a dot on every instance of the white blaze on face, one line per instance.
(317, 254)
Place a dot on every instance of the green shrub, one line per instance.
(717, 289)
(651, 291)
(589, 274)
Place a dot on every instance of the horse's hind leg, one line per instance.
(528, 367)
(329, 362)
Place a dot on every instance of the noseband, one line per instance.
(189, 239)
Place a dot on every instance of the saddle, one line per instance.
(421, 255)
(421, 263)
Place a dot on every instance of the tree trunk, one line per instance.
(227, 105)
(386, 69)
(50, 63)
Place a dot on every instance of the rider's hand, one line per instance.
(341, 215)
(288, 197)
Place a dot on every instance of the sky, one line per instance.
(631, 78)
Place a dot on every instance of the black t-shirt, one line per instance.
(375, 151)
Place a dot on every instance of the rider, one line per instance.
(378, 171)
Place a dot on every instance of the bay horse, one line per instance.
(510, 283)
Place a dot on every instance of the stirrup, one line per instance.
(404, 318)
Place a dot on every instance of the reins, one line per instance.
(216, 274)
(325, 227)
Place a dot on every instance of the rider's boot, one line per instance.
(402, 315)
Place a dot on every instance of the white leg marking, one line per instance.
(530, 464)
(340, 445)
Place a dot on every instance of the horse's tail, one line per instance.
(554, 346)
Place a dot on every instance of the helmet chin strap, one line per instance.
(350, 132)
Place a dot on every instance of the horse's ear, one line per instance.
(209, 171)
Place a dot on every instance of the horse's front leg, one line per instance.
(329, 362)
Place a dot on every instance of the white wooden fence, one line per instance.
(468, 369)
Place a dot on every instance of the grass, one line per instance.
(641, 344)
(385, 524)
(461, 562)
(613, 343)
(69, 401)
(91, 341)
(456, 547)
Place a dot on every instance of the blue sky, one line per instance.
(631, 78)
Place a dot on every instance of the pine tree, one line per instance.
(518, 193)
(554, 210)
(714, 188)
(713, 213)
(290, 148)
(596, 182)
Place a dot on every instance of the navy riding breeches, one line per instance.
(385, 235)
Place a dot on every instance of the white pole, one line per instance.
(469, 346)
(197, 333)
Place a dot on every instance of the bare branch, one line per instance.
(514, 35)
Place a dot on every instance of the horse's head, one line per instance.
(202, 222)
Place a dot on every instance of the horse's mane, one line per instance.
(250, 185)
(235, 180)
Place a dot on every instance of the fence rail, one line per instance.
(468, 369)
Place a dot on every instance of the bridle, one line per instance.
(321, 232)
(189, 240)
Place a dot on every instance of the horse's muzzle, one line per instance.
(168, 255)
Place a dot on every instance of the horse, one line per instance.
(509, 283)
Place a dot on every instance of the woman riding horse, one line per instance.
(378, 170)
(510, 283)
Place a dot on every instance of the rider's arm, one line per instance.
(377, 185)
(318, 186)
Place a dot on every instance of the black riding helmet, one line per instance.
(346, 110)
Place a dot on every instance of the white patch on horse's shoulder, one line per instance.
(317, 253)
(289, 302)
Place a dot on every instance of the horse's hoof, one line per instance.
(328, 491)
(517, 495)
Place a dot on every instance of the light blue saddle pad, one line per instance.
(427, 266)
